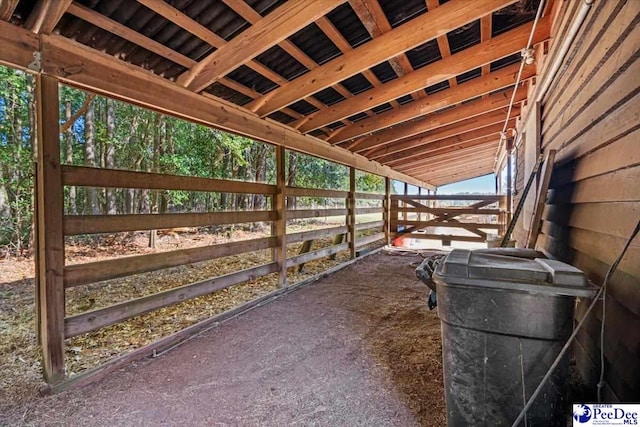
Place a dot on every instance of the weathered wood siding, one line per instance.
(591, 115)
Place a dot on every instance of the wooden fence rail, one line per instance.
(417, 216)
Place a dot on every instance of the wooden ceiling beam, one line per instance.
(250, 15)
(489, 147)
(449, 145)
(438, 120)
(437, 72)
(264, 34)
(6, 9)
(419, 30)
(491, 122)
(459, 151)
(453, 168)
(483, 151)
(391, 121)
(45, 15)
(442, 145)
(456, 175)
(463, 176)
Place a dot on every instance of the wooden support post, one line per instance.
(306, 248)
(352, 212)
(507, 218)
(338, 239)
(386, 216)
(419, 213)
(280, 225)
(50, 244)
(404, 205)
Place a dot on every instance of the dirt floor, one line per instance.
(356, 348)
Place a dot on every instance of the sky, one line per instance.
(482, 184)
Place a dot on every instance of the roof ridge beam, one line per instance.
(437, 72)
(419, 30)
(264, 34)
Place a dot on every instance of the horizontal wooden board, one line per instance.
(96, 319)
(314, 213)
(369, 196)
(369, 225)
(465, 225)
(81, 176)
(95, 224)
(315, 192)
(363, 211)
(621, 154)
(479, 197)
(320, 253)
(613, 218)
(362, 241)
(449, 211)
(618, 186)
(316, 234)
(441, 237)
(81, 274)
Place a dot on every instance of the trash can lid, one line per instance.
(512, 272)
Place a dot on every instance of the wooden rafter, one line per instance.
(459, 63)
(264, 34)
(6, 8)
(451, 168)
(485, 35)
(462, 141)
(453, 14)
(482, 125)
(45, 15)
(435, 160)
(437, 120)
(250, 15)
(500, 79)
(460, 176)
(454, 151)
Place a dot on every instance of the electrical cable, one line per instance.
(527, 58)
(604, 301)
(556, 362)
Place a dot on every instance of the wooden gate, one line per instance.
(466, 218)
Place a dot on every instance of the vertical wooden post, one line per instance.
(352, 211)
(419, 201)
(509, 179)
(404, 204)
(280, 225)
(386, 216)
(50, 243)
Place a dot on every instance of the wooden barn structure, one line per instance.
(426, 92)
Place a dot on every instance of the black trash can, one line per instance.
(505, 315)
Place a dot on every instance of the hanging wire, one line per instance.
(554, 365)
(527, 58)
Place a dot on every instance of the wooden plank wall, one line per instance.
(591, 115)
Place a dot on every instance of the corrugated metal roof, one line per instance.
(347, 22)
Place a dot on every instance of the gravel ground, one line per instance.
(356, 348)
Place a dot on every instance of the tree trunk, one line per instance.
(291, 177)
(109, 154)
(68, 139)
(260, 168)
(92, 205)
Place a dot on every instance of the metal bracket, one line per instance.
(36, 64)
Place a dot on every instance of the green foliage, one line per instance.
(16, 183)
(111, 134)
